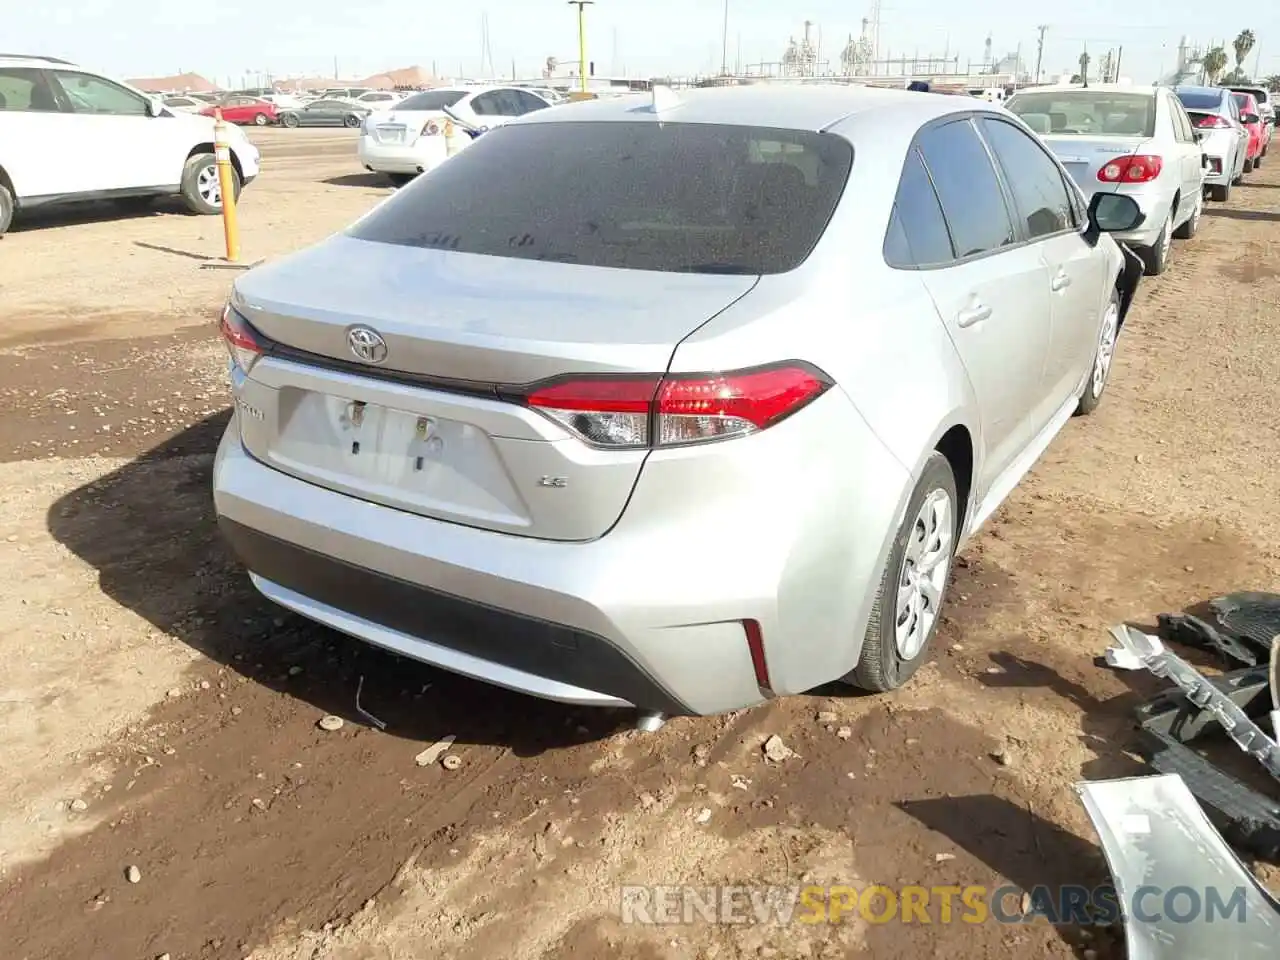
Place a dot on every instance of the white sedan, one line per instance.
(413, 136)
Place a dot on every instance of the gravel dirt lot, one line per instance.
(156, 713)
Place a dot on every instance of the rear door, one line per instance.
(39, 146)
(1049, 223)
(994, 298)
(1192, 158)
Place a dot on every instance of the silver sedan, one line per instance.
(693, 413)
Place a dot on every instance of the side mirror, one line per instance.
(1114, 213)
(1248, 118)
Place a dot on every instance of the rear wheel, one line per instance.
(6, 209)
(1102, 358)
(289, 120)
(1192, 223)
(1156, 258)
(1257, 161)
(201, 191)
(260, 119)
(1248, 165)
(914, 583)
(1220, 192)
(352, 121)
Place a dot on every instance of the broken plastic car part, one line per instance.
(1183, 892)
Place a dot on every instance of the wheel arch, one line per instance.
(7, 182)
(208, 147)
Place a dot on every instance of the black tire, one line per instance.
(261, 119)
(881, 666)
(1248, 166)
(1257, 161)
(289, 120)
(1093, 392)
(1156, 258)
(352, 121)
(6, 209)
(199, 166)
(1220, 192)
(1191, 225)
(400, 179)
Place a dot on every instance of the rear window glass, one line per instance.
(1195, 100)
(1087, 113)
(637, 195)
(432, 100)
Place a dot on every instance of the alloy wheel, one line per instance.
(926, 564)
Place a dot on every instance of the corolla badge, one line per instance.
(367, 344)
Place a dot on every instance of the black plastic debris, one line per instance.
(1170, 721)
(1193, 632)
(1252, 617)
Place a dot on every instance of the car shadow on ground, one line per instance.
(1255, 215)
(149, 530)
(358, 180)
(71, 215)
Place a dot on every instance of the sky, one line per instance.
(232, 41)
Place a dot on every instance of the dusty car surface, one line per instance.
(692, 412)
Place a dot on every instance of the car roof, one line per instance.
(1193, 88)
(780, 106)
(1091, 88)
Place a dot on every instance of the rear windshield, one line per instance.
(1089, 113)
(1196, 100)
(699, 198)
(1258, 93)
(432, 100)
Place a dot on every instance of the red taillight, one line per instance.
(1213, 122)
(678, 409)
(241, 343)
(1138, 168)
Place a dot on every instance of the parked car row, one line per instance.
(1166, 147)
(411, 138)
(524, 397)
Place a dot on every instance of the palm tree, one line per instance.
(1272, 83)
(1214, 62)
(1243, 44)
(1084, 67)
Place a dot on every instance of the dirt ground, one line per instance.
(155, 712)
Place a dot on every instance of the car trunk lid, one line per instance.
(404, 126)
(425, 429)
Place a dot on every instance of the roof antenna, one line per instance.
(664, 98)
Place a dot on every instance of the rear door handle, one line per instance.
(974, 314)
(1060, 281)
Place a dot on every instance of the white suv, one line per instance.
(69, 135)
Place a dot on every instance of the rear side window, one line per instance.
(918, 234)
(971, 197)
(673, 197)
(22, 90)
(1039, 192)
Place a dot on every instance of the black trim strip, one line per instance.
(545, 649)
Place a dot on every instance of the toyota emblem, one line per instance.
(367, 344)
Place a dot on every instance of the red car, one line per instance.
(245, 110)
(1251, 117)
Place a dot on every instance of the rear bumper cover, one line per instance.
(784, 528)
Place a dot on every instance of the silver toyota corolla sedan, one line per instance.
(692, 413)
(1115, 138)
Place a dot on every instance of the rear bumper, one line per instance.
(418, 157)
(785, 528)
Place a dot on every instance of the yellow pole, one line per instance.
(582, 40)
(226, 185)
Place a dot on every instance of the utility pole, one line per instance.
(724, 42)
(582, 39)
(1040, 49)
